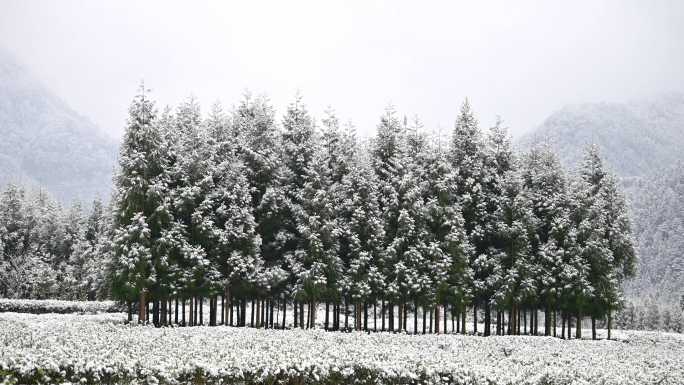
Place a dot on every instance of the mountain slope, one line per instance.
(45, 141)
(637, 137)
(658, 209)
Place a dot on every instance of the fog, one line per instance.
(522, 60)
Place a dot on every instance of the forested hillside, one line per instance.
(658, 208)
(637, 137)
(44, 141)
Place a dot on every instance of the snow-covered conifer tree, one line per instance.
(560, 273)
(140, 163)
(259, 145)
(468, 159)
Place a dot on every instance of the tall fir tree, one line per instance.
(140, 163)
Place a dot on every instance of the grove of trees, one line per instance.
(295, 214)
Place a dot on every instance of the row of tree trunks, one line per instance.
(162, 315)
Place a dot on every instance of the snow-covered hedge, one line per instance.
(93, 349)
(57, 306)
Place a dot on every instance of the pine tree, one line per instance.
(399, 205)
(604, 233)
(468, 159)
(253, 122)
(445, 242)
(236, 251)
(560, 273)
(513, 228)
(140, 163)
(362, 230)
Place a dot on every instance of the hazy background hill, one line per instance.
(637, 137)
(643, 141)
(658, 209)
(43, 140)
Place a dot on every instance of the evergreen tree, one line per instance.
(253, 123)
(560, 272)
(137, 183)
(468, 159)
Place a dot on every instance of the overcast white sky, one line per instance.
(522, 60)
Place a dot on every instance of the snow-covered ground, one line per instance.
(99, 348)
(58, 306)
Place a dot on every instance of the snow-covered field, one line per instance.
(100, 349)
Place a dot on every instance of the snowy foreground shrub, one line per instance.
(99, 349)
(57, 306)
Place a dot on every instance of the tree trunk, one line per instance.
(296, 313)
(176, 315)
(284, 311)
(391, 315)
(183, 318)
(424, 319)
(253, 309)
(258, 311)
(444, 316)
(415, 318)
(238, 311)
(141, 309)
(191, 318)
(313, 312)
(130, 312)
(228, 309)
(365, 316)
(488, 321)
(327, 314)
(609, 323)
(301, 315)
(335, 321)
(569, 316)
(162, 318)
(593, 327)
(437, 314)
(346, 314)
(498, 323)
(512, 320)
(211, 310)
(401, 315)
(474, 318)
(547, 319)
(563, 324)
(579, 324)
(308, 314)
(201, 310)
(273, 303)
(463, 321)
(358, 315)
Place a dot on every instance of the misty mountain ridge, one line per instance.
(637, 137)
(45, 141)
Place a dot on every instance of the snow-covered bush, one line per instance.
(58, 306)
(92, 349)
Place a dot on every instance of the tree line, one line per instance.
(239, 206)
(49, 251)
